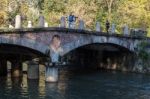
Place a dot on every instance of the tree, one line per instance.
(134, 13)
(53, 10)
(3, 12)
(83, 9)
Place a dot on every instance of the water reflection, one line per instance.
(91, 85)
(33, 89)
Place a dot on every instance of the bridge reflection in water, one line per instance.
(81, 85)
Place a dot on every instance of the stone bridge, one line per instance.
(38, 40)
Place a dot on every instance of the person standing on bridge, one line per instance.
(71, 20)
(107, 26)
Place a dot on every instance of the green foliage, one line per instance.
(135, 13)
(3, 12)
(148, 30)
(54, 5)
(142, 52)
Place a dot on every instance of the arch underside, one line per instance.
(22, 48)
(100, 55)
(116, 43)
(10, 51)
(24, 42)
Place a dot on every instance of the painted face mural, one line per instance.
(56, 43)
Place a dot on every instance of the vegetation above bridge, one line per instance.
(134, 13)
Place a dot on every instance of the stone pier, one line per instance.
(51, 74)
(16, 66)
(33, 70)
(3, 67)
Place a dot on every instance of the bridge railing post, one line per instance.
(10, 26)
(41, 21)
(46, 24)
(18, 22)
(98, 27)
(29, 24)
(63, 22)
(81, 24)
(125, 30)
(113, 28)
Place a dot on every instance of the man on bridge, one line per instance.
(71, 20)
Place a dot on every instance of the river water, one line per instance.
(79, 85)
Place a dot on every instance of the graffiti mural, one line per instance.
(55, 48)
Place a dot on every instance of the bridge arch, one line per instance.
(24, 42)
(121, 42)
